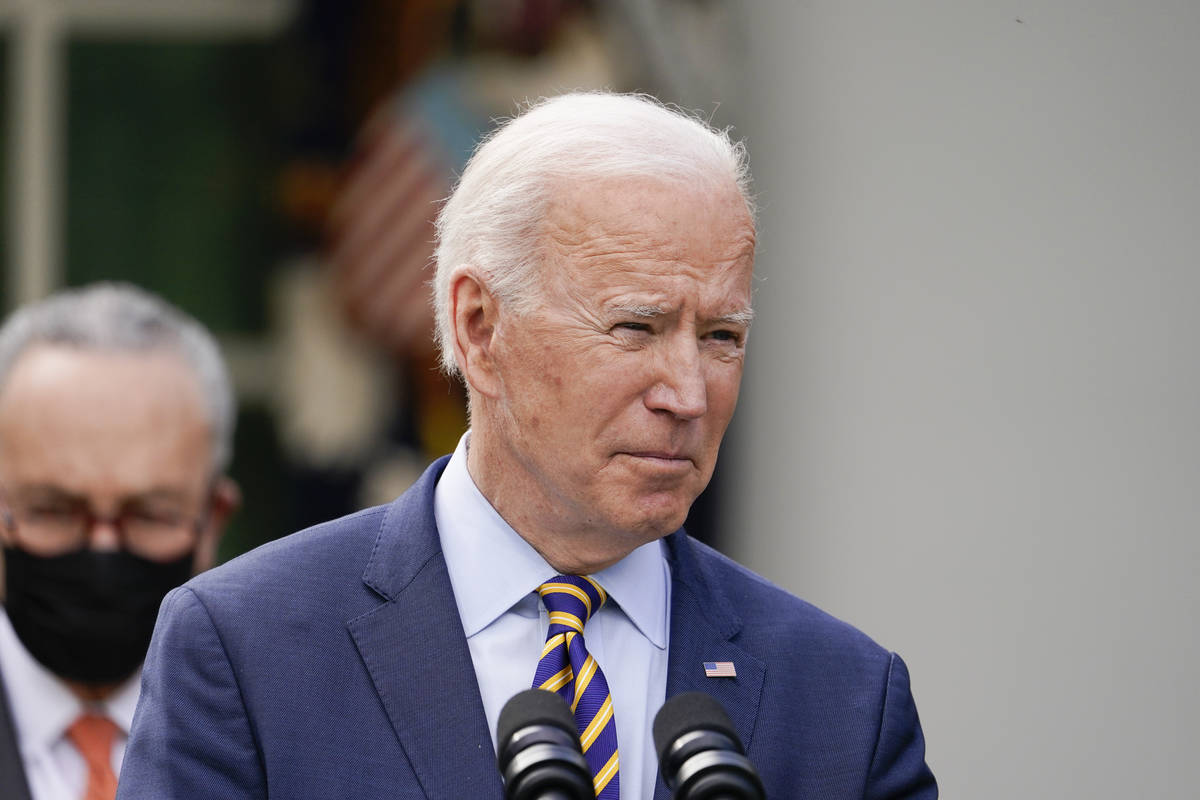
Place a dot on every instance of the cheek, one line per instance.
(540, 396)
(723, 391)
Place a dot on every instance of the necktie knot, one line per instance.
(93, 736)
(571, 600)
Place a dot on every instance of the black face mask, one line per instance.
(88, 616)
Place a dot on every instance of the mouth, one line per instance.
(662, 454)
(660, 460)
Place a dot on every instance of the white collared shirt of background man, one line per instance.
(43, 710)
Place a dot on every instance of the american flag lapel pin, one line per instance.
(719, 669)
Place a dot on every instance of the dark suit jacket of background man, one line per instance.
(333, 663)
(13, 784)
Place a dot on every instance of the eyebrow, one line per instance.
(645, 311)
(742, 317)
(43, 490)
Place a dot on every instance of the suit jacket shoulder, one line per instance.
(768, 614)
(329, 663)
(823, 710)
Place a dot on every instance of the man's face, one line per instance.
(616, 392)
(112, 432)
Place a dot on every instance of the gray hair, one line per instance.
(125, 319)
(493, 218)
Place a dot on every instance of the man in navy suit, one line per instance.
(593, 291)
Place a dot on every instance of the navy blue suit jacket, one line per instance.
(332, 664)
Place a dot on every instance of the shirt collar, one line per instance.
(494, 570)
(42, 705)
(638, 584)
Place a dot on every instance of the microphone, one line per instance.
(699, 752)
(538, 749)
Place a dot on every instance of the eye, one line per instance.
(725, 336)
(640, 327)
(152, 515)
(51, 511)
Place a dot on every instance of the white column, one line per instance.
(34, 156)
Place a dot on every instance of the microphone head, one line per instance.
(534, 707)
(538, 751)
(687, 712)
(699, 753)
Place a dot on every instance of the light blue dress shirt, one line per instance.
(495, 574)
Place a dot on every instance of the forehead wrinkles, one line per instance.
(575, 247)
(96, 399)
(586, 241)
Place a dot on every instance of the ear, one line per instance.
(226, 498)
(474, 311)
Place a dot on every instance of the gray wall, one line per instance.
(969, 424)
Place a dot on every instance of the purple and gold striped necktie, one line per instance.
(567, 668)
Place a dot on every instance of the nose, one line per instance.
(680, 389)
(104, 536)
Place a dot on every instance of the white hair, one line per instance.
(122, 318)
(493, 220)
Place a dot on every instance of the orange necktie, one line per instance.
(93, 736)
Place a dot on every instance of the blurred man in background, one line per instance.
(116, 423)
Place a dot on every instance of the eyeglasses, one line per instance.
(58, 525)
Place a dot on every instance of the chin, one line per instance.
(660, 522)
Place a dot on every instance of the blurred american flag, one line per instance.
(381, 233)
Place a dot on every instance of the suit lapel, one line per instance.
(414, 648)
(703, 624)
